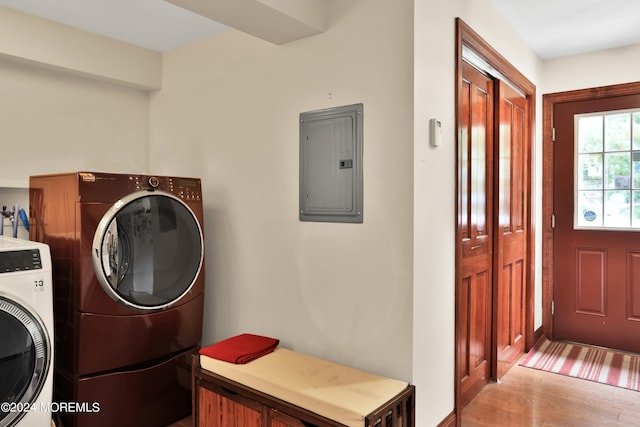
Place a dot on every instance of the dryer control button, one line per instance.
(154, 182)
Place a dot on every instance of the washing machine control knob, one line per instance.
(153, 181)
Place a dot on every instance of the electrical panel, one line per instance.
(331, 165)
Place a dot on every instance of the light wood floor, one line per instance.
(530, 398)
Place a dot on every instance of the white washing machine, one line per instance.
(26, 333)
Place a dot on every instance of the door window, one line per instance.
(148, 250)
(607, 159)
(24, 360)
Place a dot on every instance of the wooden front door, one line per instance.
(596, 203)
(511, 232)
(474, 232)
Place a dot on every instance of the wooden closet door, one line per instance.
(511, 237)
(474, 232)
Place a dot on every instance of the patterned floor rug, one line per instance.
(590, 363)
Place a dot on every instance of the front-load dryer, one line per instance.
(127, 253)
(26, 334)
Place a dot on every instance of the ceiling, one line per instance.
(552, 28)
(153, 24)
(555, 28)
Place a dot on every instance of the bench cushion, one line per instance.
(334, 391)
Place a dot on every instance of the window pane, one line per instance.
(617, 209)
(590, 134)
(589, 209)
(635, 170)
(617, 167)
(617, 132)
(636, 131)
(607, 170)
(635, 219)
(590, 170)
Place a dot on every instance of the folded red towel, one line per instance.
(241, 349)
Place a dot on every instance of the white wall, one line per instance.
(434, 187)
(228, 113)
(601, 68)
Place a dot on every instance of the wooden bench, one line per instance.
(290, 389)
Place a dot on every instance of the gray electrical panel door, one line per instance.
(331, 165)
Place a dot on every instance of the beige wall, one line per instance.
(54, 46)
(54, 121)
(68, 100)
(228, 113)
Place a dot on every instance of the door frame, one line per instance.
(465, 36)
(549, 102)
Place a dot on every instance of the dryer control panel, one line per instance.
(187, 189)
(98, 187)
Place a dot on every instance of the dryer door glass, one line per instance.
(148, 250)
(24, 360)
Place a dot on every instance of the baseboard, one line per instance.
(537, 334)
(449, 421)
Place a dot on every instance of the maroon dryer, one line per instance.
(128, 281)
